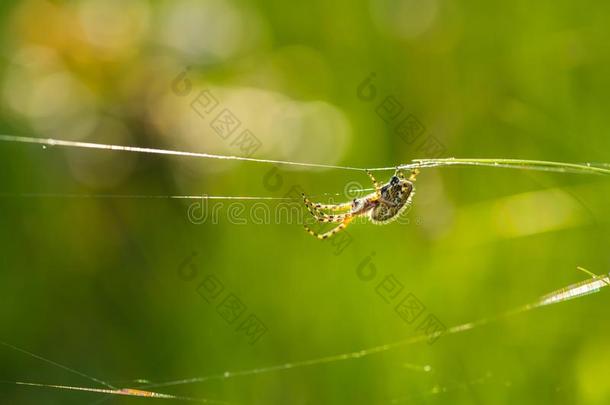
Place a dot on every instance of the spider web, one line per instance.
(538, 165)
(583, 168)
(148, 390)
(594, 285)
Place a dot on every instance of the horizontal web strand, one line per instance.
(90, 145)
(581, 168)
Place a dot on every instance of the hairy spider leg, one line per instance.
(322, 217)
(330, 233)
(414, 174)
(375, 183)
(315, 208)
(333, 207)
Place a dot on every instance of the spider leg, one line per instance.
(314, 208)
(414, 174)
(330, 233)
(333, 207)
(322, 217)
(375, 183)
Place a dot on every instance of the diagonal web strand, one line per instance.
(570, 292)
(90, 145)
(577, 290)
(73, 371)
(130, 392)
(109, 389)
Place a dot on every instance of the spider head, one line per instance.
(394, 180)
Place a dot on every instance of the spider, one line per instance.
(381, 207)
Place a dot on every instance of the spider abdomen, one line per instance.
(395, 199)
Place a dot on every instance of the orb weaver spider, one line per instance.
(381, 207)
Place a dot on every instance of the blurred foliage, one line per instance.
(95, 283)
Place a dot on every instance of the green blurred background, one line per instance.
(100, 284)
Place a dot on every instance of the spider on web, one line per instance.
(381, 207)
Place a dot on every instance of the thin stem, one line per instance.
(543, 165)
